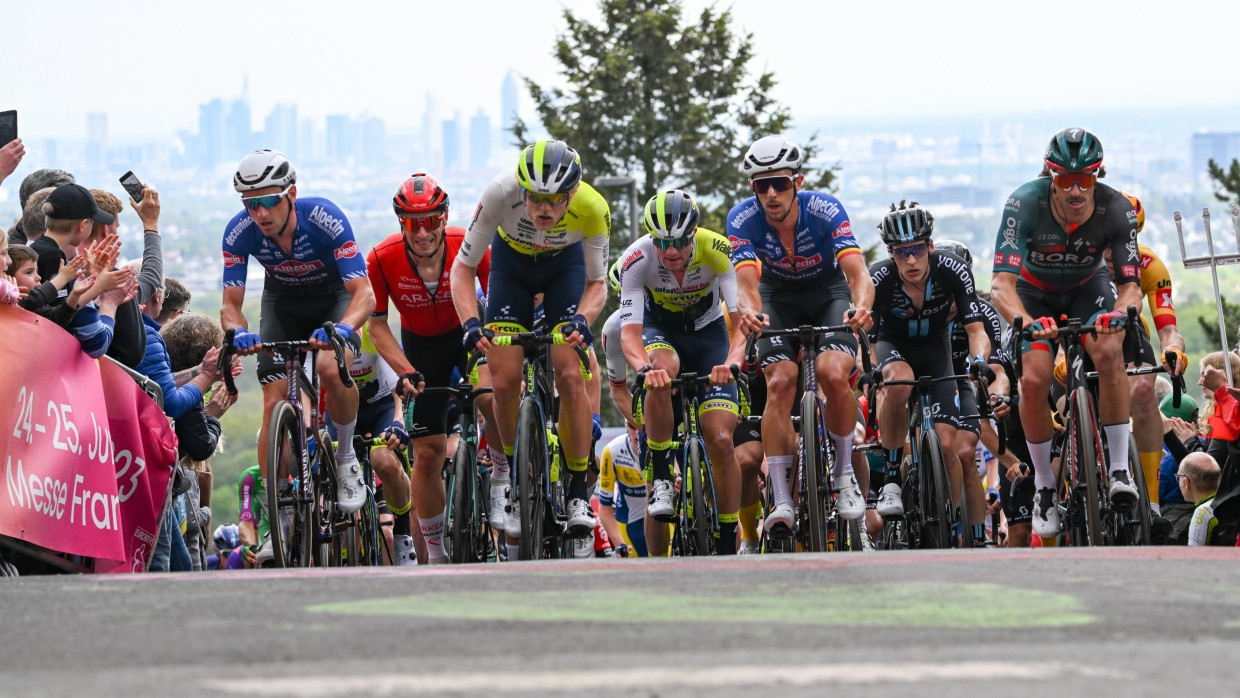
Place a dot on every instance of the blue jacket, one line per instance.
(158, 367)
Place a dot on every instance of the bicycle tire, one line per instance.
(1132, 527)
(702, 523)
(848, 534)
(530, 465)
(966, 528)
(369, 550)
(460, 489)
(1090, 464)
(283, 444)
(767, 542)
(817, 475)
(936, 504)
(322, 510)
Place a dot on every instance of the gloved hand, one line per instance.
(398, 430)
(415, 379)
(581, 326)
(978, 367)
(474, 333)
(1111, 320)
(320, 335)
(245, 340)
(1043, 323)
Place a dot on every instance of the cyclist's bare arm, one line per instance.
(748, 298)
(862, 288)
(979, 342)
(464, 297)
(387, 346)
(1003, 297)
(231, 315)
(362, 303)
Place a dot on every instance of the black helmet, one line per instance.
(908, 223)
(1074, 149)
(956, 248)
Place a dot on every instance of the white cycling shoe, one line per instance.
(848, 501)
(350, 489)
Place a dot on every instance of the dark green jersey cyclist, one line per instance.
(1049, 264)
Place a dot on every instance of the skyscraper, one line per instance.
(479, 140)
(508, 102)
(372, 141)
(238, 130)
(341, 140)
(280, 131)
(451, 144)
(210, 141)
(96, 140)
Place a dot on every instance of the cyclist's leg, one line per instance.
(704, 349)
(892, 424)
(276, 323)
(777, 356)
(836, 366)
(1114, 392)
(659, 422)
(747, 443)
(1147, 426)
(968, 431)
(1035, 384)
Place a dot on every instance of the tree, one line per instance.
(1231, 318)
(1228, 181)
(672, 104)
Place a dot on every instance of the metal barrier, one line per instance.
(1214, 261)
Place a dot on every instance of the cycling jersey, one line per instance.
(425, 307)
(613, 353)
(648, 287)
(994, 331)
(502, 210)
(621, 482)
(252, 504)
(948, 281)
(1034, 245)
(324, 253)
(375, 379)
(1156, 287)
(823, 237)
(1201, 526)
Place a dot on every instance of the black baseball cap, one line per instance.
(71, 202)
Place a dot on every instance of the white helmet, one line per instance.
(264, 168)
(769, 154)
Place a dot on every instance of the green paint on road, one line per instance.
(930, 605)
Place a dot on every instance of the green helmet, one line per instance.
(1075, 150)
(613, 275)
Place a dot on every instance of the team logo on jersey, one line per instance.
(232, 260)
(1164, 299)
(1146, 261)
(294, 268)
(633, 259)
(1009, 234)
(1013, 260)
(797, 263)
(844, 230)
(1129, 270)
(347, 250)
(327, 221)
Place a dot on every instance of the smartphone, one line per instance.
(8, 127)
(132, 185)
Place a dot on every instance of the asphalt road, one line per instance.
(1157, 621)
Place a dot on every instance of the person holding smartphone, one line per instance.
(11, 155)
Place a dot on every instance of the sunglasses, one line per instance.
(269, 201)
(411, 224)
(911, 252)
(676, 243)
(780, 184)
(1066, 180)
(549, 199)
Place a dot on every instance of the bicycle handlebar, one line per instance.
(532, 340)
(224, 367)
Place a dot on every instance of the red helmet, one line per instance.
(420, 193)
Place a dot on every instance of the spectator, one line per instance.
(1199, 476)
(71, 212)
(129, 339)
(1179, 439)
(156, 365)
(35, 181)
(1162, 388)
(9, 294)
(33, 222)
(176, 301)
(37, 295)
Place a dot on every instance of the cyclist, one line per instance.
(315, 273)
(917, 290)
(811, 269)
(413, 269)
(622, 492)
(1146, 419)
(1048, 263)
(970, 429)
(670, 323)
(553, 234)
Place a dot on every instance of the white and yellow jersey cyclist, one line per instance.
(548, 233)
(622, 492)
(671, 323)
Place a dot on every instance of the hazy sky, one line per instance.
(149, 64)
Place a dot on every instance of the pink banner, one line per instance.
(79, 473)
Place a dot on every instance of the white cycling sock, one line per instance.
(779, 467)
(1117, 447)
(843, 455)
(514, 552)
(432, 532)
(1040, 454)
(499, 465)
(344, 440)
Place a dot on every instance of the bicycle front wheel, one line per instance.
(530, 466)
(702, 523)
(283, 448)
(1085, 445)
(815, 472)
(936, 502)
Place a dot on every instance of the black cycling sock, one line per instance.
(979, 532)
(661, 462)
(401, 526)
(726, 543)
(892, 473)
(577, 485)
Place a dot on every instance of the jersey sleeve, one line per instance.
(596, 232)
(613, 352)
(606, 478)
(484, 225)
(335, 225)
(1009, 243)
(968, 307)
(721, 265)
(743, 252)
(236, 255)
(632, 286)
(377, 282)
(245, 494)
(1156, 282)
(882, 275)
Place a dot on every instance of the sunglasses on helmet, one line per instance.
(540, 199)
(780, 184)
(430, 221)
(269, 201)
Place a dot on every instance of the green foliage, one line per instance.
(1209, 321)
(1228, 182)
(666, 99)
